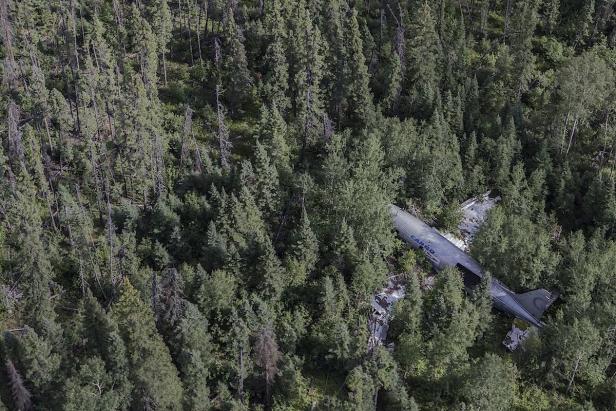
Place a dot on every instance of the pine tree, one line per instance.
(575, 363)
(147, 46)
(407, 312)
(162, 25)
(436, 173)
(584, 22)
(506, 238)
(194, 358)
(30, 257)
(216, 292)
(171, 301)
(449, 324)
(154, 377)
(584, 83)
(237, 351)
(335, 77)
(384, 370)
(92, 388)
(361, 390)
(358, 192)
(224, 142)
(405, 328)
(474, 178)
(95, 335)
(524, 21)
(507, 148)
(332, 330)
(551, 14)
(391, 101)
(491, 383)
(269, 272)
(38, 362)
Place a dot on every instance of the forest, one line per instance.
(194, 202)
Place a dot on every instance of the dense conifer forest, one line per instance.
(194, 202)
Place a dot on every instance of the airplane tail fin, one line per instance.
(537, 301)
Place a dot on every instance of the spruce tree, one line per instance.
(235, 73)
(422, 70)
(303, 253)
(92, 388)
(267, 187)
(276, 82)
(308, 65)
(273, 132)
(357, 84)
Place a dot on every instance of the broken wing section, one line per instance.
(537, 301)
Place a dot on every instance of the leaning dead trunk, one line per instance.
(575, 123)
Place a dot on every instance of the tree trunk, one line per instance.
(577, 364)
(199, 36)
(507, 14)
(562, 139)
(240, 385)
(189, 28)
(165, 68)
(575, 123)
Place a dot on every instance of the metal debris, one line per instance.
(517, 335)
(474, 214)
(382, 306)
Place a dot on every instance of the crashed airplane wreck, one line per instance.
(445, 249)
(442, 253)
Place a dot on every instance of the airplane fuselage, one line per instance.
(443, 253)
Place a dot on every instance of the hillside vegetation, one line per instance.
(194, 202)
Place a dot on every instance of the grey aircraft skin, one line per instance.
(443, 253)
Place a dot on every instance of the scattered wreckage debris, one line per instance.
(382, 306)
(519, 332)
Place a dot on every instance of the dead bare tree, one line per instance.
(170, 297)
(6, 31)
(16, 149)
(189, 142)
(187, 130)
(224, 143)
(159, 165)
(507, 16)
(19, 392)
(267, 357)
